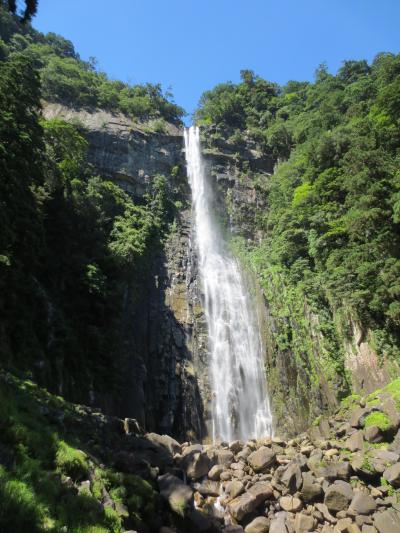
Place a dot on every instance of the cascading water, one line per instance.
(240, 406)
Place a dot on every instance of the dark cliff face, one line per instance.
(163, 362)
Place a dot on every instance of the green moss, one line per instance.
(378, 419)
(372, 403)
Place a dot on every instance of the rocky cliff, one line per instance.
(166, 383)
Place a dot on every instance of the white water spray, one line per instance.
(240, 406)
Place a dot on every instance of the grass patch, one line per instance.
(71, 462)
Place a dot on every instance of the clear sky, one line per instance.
(191, 45)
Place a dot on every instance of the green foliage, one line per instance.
(67, 79)
(331, 232)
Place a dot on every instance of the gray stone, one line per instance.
(258, 525)
(261, 459)
(207, 487)
(165, 441)
(338, 496)
(233, 489)
(216, 472)
(373, 434)
(362, 504)
(387, 521)
(355, 442)
(178, 495)
(310, 489)
(291, 477)
(392, 475)
(303, 523)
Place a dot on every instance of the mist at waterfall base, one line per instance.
(240, 405)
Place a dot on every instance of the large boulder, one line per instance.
(178, 495)
(165, 441)
(338, 496)
(387, 521)
(261, 459)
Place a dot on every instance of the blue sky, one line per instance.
(192, 45)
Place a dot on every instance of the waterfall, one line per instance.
(240, 406)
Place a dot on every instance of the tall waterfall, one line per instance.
(240, 406)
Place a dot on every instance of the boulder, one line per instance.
(242, 506)
(258, 525)
(165, 441)
(291, 478)
(392, 475)
(373, 434)
(178, 495)
(362, 504)
(290, 504)
(233, 489)
(338, 496)
(215, 472)
(303, 523)
(310, 489)
(355, 442)
(195, 462)
(261, 459)
(387, 521)
(236, 446)
(261, 490)
(207, 487)
(224, 457)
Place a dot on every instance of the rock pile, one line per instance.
(342, 476)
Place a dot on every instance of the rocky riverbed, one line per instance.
(343, 475)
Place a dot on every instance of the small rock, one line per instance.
(290, 503)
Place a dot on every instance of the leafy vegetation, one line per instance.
(329, 257)
(66, 78)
